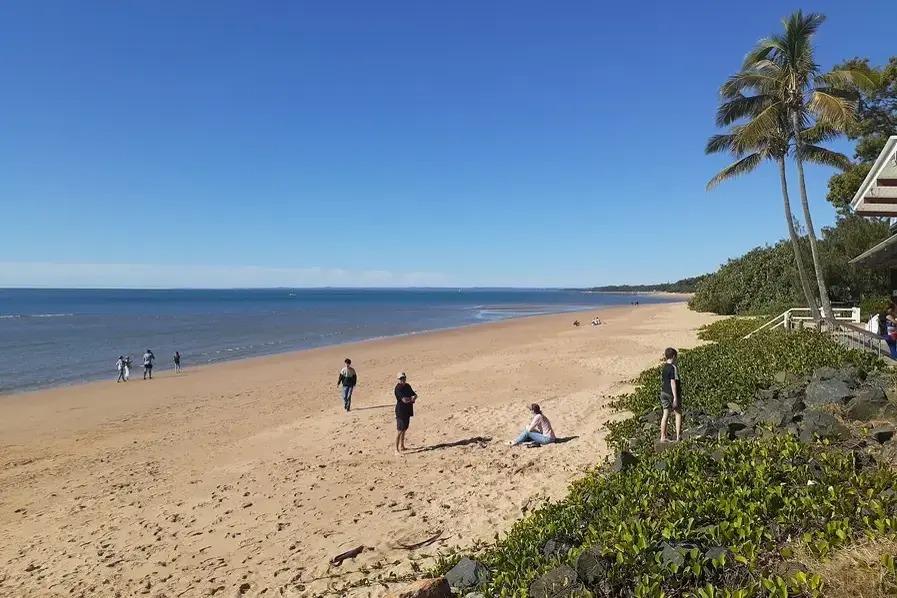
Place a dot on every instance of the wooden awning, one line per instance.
(877, 197)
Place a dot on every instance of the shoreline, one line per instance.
(136, 371)
(251, 472)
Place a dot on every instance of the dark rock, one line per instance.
(716, 552)
(698, 431)
(426, 588)
(744, 434)
(734, 427)
(823, 425)
(768, 394)
(652, 417)
(671, 555)
(769, 413)
(662, 447)
(826, 373)
(591, 566)
(867, 404)
(784, 377)
(556, 549)
(827, 392)
(882, 433)
(467, 574)
(624, 461)
(792, 406)
(888, 412)
(887, 454)
(734, 408)
(863, 460)
(789, 430)
(557, 583)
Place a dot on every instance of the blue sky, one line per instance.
(459, 143)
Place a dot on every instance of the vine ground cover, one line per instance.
(707, 518)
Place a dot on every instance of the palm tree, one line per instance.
(783, 73)
(776, 146)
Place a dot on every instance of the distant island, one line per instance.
(686, 285)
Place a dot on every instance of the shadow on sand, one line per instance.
(480, 441)
(371, 407)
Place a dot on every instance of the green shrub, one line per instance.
(730, 329)
(759, 499)
(872, 305)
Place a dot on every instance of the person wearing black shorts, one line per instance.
(405, 398)
(671, 394)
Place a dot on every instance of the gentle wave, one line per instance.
(17, 316)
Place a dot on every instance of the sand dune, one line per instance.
(247, 478)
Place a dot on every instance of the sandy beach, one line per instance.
(246, 478)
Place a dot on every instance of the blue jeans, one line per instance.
(347, 397)
(892, 345)
(533, 437)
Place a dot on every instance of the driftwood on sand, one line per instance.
(349, 554)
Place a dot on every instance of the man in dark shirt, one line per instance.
(671, 394)
(405, 398)
(348, 378)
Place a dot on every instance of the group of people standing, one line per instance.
(539, 431)
(124, 365)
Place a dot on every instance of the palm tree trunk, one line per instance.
(795, 243)
(825, 303)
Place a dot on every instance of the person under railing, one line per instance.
(887, 327)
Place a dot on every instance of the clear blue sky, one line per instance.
(472, 142)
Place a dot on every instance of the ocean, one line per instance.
(59, 337)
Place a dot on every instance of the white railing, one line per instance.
(797, 316)
(856, 337)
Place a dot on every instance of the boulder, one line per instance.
(769, 413)
(827, 392)
(591, 566)
(882, 433)
(767, 394)
(556, 549)
(823, 425)
(698, 431)
(671, 555)
(624, 461)
(744, 434)
(467, 574)
(784, 377)
(734, 408)
(560, 582)
(826, 373)
(867, 403)
(426, 588)
(663, 446)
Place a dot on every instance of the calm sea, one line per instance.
(58, 337)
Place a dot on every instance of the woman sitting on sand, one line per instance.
(539, 430)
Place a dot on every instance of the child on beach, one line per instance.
(120, 364)
(348, 378)
(671, 394)
(405, 398)
(177, 362)
(539, 429)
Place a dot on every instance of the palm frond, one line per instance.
(743, 81)
(765, 49)
(825, 157)
(739, 107)
(819, 133)
(764, 125)
(861, 78)
(736, 169)
(833, 111)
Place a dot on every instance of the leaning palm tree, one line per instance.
(782, 72)
(775, 147)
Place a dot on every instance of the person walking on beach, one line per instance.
(120, 364)
(538, 431)
(405, 398)
(127, 368)
(148, 359)
(348, 378)
(177, 362)
(671, 394)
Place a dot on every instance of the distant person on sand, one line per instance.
(348, 378)
(671, 394)
(148, 359)
(538, 431)
(127, 368)
(405, 398)
(120, 364)
(177, 362)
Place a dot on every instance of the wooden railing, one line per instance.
(856, 337)
(799, 316)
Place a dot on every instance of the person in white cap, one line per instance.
(405, 398)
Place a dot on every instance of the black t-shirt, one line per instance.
(670, 377)
(404, 410)
(883, 323)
